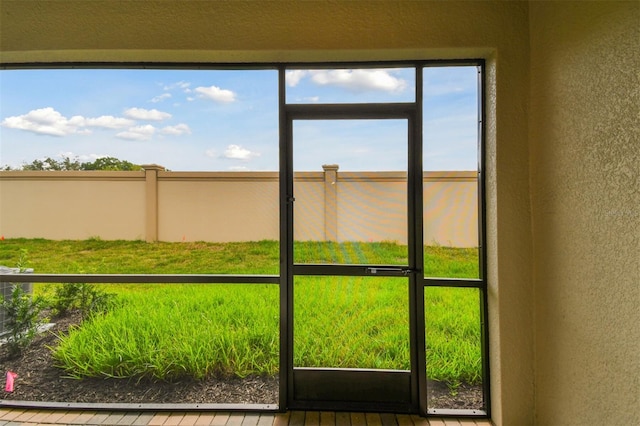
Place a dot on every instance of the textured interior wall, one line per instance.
(585, 103)
(237, 31)
(45, 31)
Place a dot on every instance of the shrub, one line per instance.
(22, 318)
(84, 297)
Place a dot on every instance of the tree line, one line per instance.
(68, 163)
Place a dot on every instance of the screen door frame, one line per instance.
(352, 389)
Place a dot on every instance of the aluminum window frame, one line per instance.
(286, 250)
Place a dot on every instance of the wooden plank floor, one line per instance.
(29, 417)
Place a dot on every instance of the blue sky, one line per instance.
(228, 120)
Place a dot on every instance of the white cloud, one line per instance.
(236, 152)
(359, 80)
(238, 168)
(160, 98)
(216, 94)
(146, 114)
(182, 85)
(48, 121)
(180, 129)
(293, 77)
(67, 154)
(138, 133)
(108, 122)
(81, 157)
(211, 153)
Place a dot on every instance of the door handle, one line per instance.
(389, 270)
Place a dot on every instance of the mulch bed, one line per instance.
(39, 380)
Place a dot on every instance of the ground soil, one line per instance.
(40, 380)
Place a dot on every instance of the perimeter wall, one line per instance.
(159, 205)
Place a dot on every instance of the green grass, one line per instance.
(351, 322)
(384, 252)
(139, 257)
(452, 317)
(176, 331)
(168, 331)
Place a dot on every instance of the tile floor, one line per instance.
(32, 417)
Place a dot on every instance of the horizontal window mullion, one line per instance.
(350, 111)
(454, 282)
(143, 278)
(349, 270)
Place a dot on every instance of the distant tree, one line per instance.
(68, 163)
(110, 163)
(51, 164)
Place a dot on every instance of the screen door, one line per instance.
(350, 260)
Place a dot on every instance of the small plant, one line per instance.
(22, 318)
(21, 313)
(84, 297)
(22, 260)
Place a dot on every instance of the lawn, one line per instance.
(168, 331)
